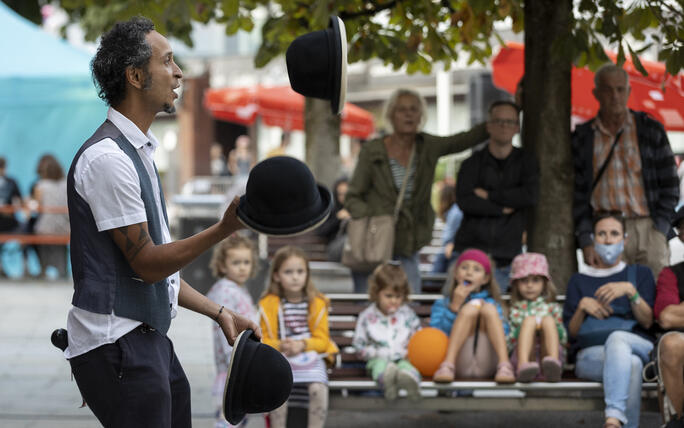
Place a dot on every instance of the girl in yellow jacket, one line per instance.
(294, 319)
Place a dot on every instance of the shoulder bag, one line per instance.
(595, 331)
(370, 240)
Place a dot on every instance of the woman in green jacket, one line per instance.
(380, 171)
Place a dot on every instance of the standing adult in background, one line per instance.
(452, 216)
(623, 162)
(240, 159)
(281, 150)
(495, 188)
(10, 197)
(669, 314)
(335, 226)
(125, 267)
(51, 195)
(382, 167)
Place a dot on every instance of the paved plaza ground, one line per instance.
(36, 389)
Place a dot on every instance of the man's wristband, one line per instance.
(218, 314)
(635, 298)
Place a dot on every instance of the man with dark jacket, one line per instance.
(495, 188)
(623, 162)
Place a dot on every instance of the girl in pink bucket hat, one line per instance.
(536, 323)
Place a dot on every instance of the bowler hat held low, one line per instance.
(283, 198)
(259, 379)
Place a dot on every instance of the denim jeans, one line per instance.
(411, 266)
(441, 263)
(501, 274)
(618, 365)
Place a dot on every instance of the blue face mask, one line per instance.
(609, 253)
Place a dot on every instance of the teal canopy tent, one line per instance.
(48, 103)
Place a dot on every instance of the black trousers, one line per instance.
(135, 382)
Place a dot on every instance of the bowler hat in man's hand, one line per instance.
(259, 379)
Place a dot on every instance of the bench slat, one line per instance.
(29, 239)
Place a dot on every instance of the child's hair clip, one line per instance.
(394, 263)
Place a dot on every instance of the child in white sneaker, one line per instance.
(383, 331)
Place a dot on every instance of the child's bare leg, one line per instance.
(671, 362)
(278, 417)
(318, 404)
(549, 337)
(495, 332)
(526, 335)
(551, 365)
(463, 327)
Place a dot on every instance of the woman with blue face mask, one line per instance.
(607, 312)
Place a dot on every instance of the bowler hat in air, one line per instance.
(283, 198)
(317, 64)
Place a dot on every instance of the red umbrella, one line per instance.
(647, 91)
(278, 106)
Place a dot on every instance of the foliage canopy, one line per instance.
(415, 34)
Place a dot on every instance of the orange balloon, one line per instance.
(427, 349)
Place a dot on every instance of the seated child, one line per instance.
(294, 320)
(383, 331)
(535, 313)
(233, 262)
(472, 316)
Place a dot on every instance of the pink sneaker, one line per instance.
(552, 369)
(445, 373)
(528, 371)
(504, 373)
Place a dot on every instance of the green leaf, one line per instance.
(636, 61)
(621, 55)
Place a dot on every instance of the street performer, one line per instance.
(125, 267)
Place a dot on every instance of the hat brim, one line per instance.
(278, 230)
(230, 410)
(339, 75)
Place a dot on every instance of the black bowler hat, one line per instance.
(259, 379)
(317, 64)
(282, 198)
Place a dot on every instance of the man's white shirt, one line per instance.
(106, 179)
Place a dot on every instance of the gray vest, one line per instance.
(103, 279)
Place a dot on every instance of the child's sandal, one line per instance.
(445, 373)
(528, 371)
(504, 373)
(552, 369)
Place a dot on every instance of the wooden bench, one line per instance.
(313, 245)
(29, 239)
(351, 388)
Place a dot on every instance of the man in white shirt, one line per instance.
(125, 267)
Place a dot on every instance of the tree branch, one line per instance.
(368, 12)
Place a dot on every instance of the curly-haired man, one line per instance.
(125, 267)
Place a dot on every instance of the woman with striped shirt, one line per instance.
(406, 153)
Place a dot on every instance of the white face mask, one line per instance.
(609, 253)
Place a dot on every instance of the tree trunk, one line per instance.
(322, 140)
(546, 132)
